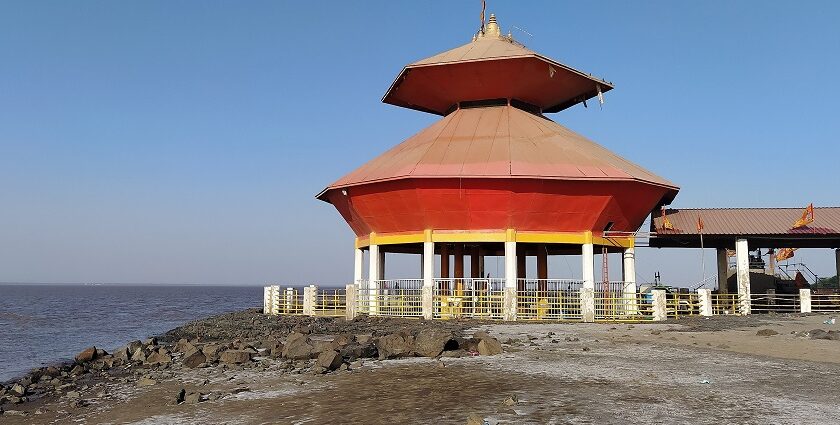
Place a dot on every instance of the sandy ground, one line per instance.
(674, 372)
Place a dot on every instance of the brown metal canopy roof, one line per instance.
(504, 142)
(491, 66)
(762, 227)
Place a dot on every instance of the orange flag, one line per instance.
(784, 254)
(699, 224)
(666, 224)
(807, 217)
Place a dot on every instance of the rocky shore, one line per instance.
(239, 341)
(244, 368)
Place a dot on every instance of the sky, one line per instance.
(184, 142)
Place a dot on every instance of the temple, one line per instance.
(495, 177)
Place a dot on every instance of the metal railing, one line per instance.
(330, 303)
(778, 303)
(557, 304)
(290, 301)
(725, 304)
(682, 304)
(468, 298)
(391, 297)
(829, 303)
(617, 306)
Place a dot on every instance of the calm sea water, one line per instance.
(42, 324)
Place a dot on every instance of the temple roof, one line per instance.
(499, 142)
(492, 66)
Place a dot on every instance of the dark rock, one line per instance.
(479, 335)
(150, 342)
(181, 395)
(88, 354)
(100, 353)
(454, 353)
(322, 346)
(133, 346)
(342, 340)
(766, 332)
(489, 347)
(298, 347)
(330, 360)
(394, 346)
(430, 342)
(17, 390)
(159, 358)
(235, 356)
(355, 350)
(195, 359)
(139, 355)
(122, 354)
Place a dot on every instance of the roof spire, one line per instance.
(491, 30)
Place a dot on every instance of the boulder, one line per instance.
(159, 357)
(133, 346)
(195, 359)
(100, 353)
(273, 347)
(17, 390)
(212, 350)
(489, 347)
(430, 342)
(88, 354)
(766, 332)
(330, 360)
(235, 356)
(150, 342)
(355, 350)
(394, 346)
(184, 346)
(342, 340)
(298, 347)
(322, 346)
(122, 354)
(139, 355)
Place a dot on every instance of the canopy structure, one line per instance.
(760, 227)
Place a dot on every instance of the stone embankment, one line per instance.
(242, 340)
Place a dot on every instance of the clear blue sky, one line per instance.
(183, 142)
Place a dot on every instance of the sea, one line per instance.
(44, 324)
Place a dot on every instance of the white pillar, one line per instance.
(510, 281)
(275, 299)
(629, 277)
(804, 300)
(310, 299)
(290, 300)
(705, 295)
(660, 311)
(350, 301)
(588, 253)
(743, 270)
(358, 266)
(374, 276)
(267, 290)
(587, 304)
(428, 280)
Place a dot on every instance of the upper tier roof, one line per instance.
(492, 66)
(501, 142)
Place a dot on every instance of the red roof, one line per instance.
(503, 142)
(491, 67)
(747, 221)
